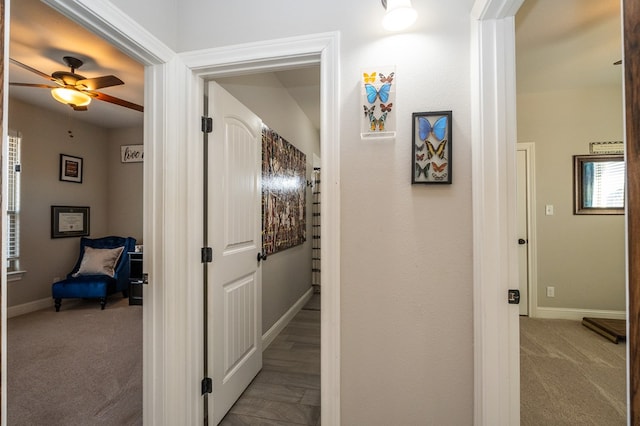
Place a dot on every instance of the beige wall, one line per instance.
(286, 275)
(406, 290)
(44, 137)
(581, 256)
(125, 186)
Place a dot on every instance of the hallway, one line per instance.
(287, 389)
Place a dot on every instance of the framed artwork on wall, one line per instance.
(431, 153)
(283, 193)
(70, 168)
(69, 221)
(378, 93)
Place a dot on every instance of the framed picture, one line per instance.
(431, 153)
(68, 221)
(598, 184)
(70, 168)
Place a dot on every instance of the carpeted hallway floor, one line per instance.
(570, 375)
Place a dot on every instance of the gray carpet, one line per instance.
(80, 366)
(570, 375)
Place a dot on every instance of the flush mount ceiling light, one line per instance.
(70, 97)
(400, 15)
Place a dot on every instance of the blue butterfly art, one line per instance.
(439, 129)
(382, 93)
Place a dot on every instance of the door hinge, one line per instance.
(207, 124)
(206, 254)
(207, 385)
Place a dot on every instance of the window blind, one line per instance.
(13, 202)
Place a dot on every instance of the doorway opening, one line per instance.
(580, 259)
(91, 140)
(287, 102)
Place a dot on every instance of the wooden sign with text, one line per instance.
(132, 153)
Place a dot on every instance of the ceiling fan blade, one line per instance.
(44, 86)
(33, 70)
(117, 101)
(99, 82)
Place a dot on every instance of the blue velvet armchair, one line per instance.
(88, 282)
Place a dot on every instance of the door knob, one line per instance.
(522, 241)
(262, 256)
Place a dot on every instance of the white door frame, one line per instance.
(170, 367)
(266, 56)
(493, 126)
(532, 250)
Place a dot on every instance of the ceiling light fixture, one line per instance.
(400, 15)
(70, 96)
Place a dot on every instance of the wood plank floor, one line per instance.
(287, 389)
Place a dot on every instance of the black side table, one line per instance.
(135, 278)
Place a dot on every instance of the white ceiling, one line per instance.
(40, 37)
(559, 44)
(568, 44)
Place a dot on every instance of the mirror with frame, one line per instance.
(598, 184)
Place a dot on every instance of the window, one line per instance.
(13, 203)
(598, 184)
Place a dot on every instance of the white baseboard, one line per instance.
(577, 314)
(26, 308)
(276, 328)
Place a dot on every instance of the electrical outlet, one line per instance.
(551, 291)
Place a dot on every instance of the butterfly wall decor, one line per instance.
(439, 129)
(382, 93)
(387, 79)
(439, 152)
(432, 147)
(369, 78)
(368, 111)
(378, 96)
(424, 170)
(377, 123)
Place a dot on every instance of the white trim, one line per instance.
(275, 329)
(578, 314)
(532, 244)
(113, 25)
(15, 276)
(493, 106)
(3, 216)
(273, 55)
(27, 308)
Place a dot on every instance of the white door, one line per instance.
(522, 194)
(235, 234)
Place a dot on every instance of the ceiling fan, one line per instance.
(74, 89)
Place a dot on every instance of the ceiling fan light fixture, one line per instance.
(399, 16)
(70, 96)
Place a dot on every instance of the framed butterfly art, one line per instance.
(377, 116)
(431, 154)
